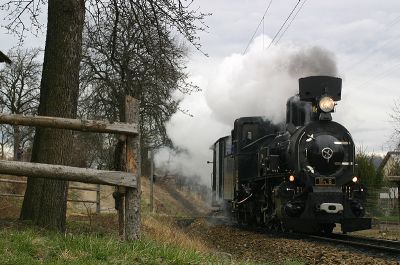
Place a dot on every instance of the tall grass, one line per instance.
(32, 246)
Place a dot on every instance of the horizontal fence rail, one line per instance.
(69, 200)
(69, 187)
(129, 201)
(70, 124)
(85, 175)
(97, 190)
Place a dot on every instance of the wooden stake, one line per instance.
(151, 180)
(132, 195)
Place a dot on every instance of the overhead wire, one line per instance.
(263, 34)
(291, 21)
(378, 76)
(374, 75)
(373, 51)
(284, 23)
(258, 26)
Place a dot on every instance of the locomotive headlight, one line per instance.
(291, 178)
(326, 104)
(355, 179)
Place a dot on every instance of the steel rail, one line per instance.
(363, 242)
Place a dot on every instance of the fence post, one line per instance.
(132, 195)
(98, 199)
(398, 200)
(151, 181)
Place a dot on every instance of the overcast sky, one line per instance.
(361, 36)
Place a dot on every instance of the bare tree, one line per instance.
(19, 93)
(45, 201)
(133, 48)
(395, 116)
(117, 64)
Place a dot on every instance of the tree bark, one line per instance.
(17, 141)
(45, 200)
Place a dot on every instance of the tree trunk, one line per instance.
(45, 200)
(17, 142)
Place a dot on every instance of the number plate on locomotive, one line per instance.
(323, 181)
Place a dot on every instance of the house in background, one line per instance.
(390, 167)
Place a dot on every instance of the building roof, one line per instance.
(386, 159)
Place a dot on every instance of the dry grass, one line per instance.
(12, 188)
(10, 207)
(159, 227)
(165, 203)
(164, 230)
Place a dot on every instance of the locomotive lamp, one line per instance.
(326, 104)
(291, 178)
(355, 179)
(322, 92)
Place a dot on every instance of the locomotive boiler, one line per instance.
(295, 176)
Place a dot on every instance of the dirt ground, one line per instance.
(248, 245)
(383, 231)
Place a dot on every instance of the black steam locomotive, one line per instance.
(298, 176)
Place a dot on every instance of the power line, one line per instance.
(258, 26)
(291, 21)
(284, 23)
(373, 51)
(378, 76)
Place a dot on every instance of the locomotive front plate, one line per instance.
(325, 181)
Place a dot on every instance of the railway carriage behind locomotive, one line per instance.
(298, 176)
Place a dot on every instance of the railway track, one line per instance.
(390, 247)
(382, 245)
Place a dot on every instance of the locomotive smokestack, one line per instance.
(313, 88)
(322, 92)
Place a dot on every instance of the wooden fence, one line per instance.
(96, 189)
(128, 182)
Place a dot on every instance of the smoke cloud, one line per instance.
(257, 83)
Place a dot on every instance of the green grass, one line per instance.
(33, 246)
(391, 218)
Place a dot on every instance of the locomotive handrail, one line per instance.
(258, 140)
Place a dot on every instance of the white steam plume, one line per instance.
(257, 83)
